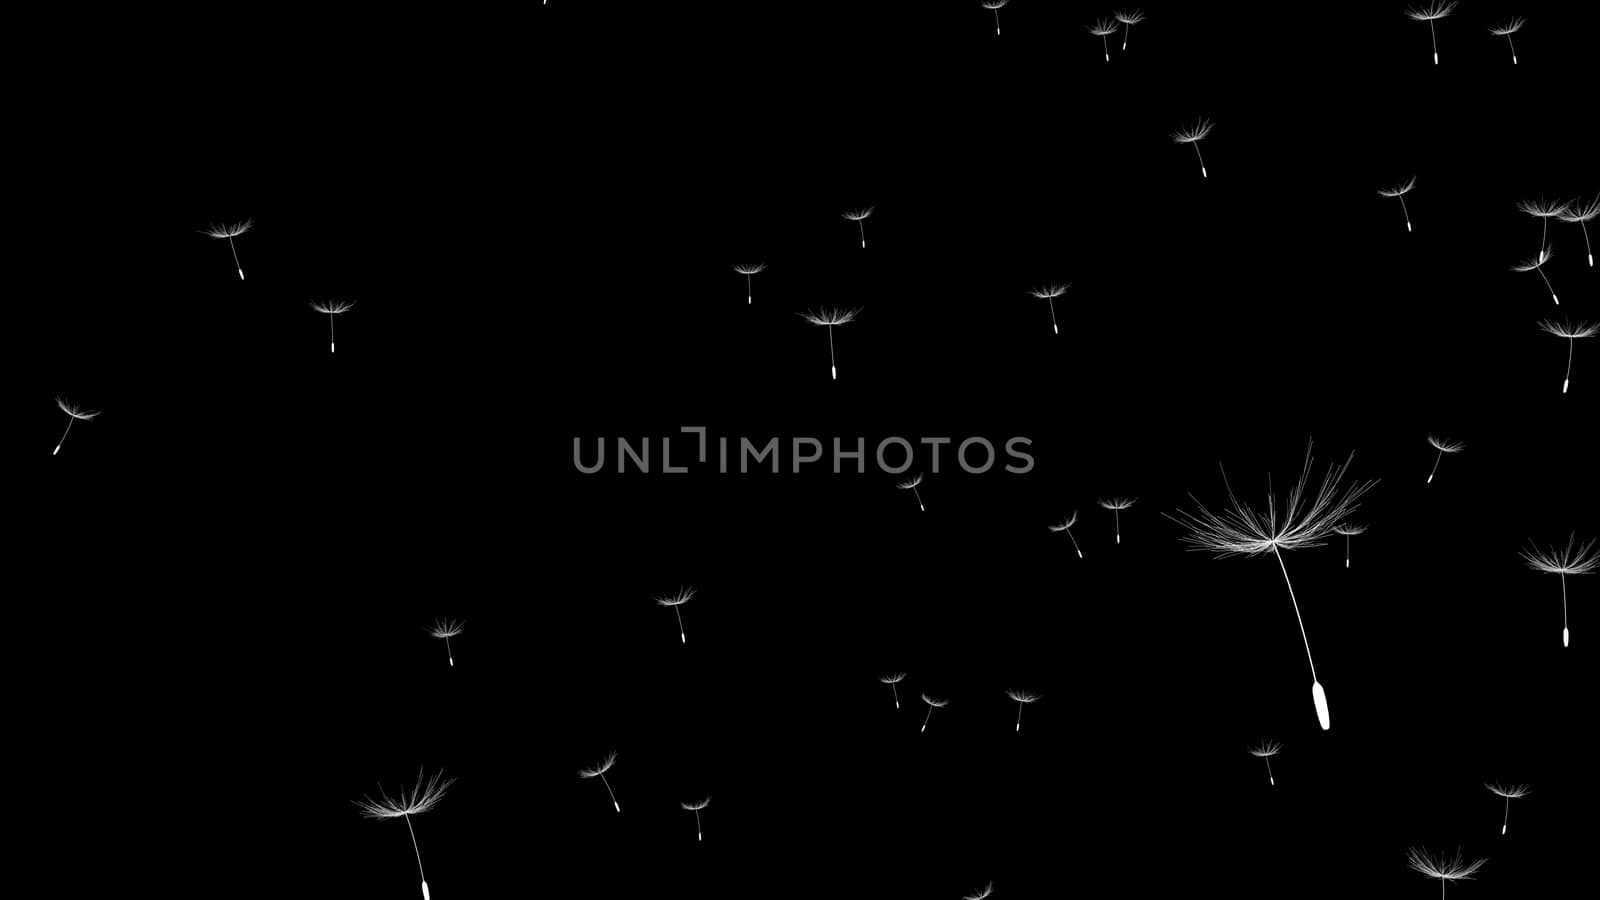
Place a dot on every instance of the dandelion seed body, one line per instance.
(748, 269)
(1580, 215)
(447, 629)
(1348, 531)
(912, 487)
(891, 681)
(1128, 20)
(1066, 525)
(1101, 29)
(1400, 190)
(1510, 793)
(1023, 698)
(675, 601)
(73, 414)
(422, 798)
(1443, 446)
(932, 705)
(1507, 30)
(332, 308)
(1574, 560)
(1444, 870)
(995, 5)
(1050, 293)
(600, 772)
(230, 232)
(1571, 332)
(1117, 505)
(1265, 751)
(1193, 137)
(696, 807)
(830, 318)
(856, 216)
(1431, 13)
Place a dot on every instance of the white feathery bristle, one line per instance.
(1320, 697)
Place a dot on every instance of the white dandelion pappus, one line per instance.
(1574, 560)
(748, 269)
(1507, 30)
(1536, 264)
(830, 318)
(447, 629)
(1349, 531)
(912, 487)
(695, 807)
(1066, 525)
(1102, 29)
(1242, 531)
(422, 798)
(1571, 332)
(891, 681)
(1129, 19)
(1193, 137)
(1117, 505)
(1050, 292)
(1578, 214)
(1431, 13)
(599, 771)
(1400, 190)
(230, 232)
(1265, 751)
(675, 601)
(1443, 446)
(856, 215)
(333, 308)
(1023, 698)
(1446, 870)
(1510, 793)
(1544, 211)
(995, 6)
(981, 894)
(73, 414)
(932, 705)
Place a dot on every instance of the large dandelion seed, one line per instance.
(995, 6)
(1574, 560)
(830, 318)
(230, 232)
(1431, 13)
(1579, 214)
(1571, 332)
(1446, 870)
(1507, 30)
(1102, 29)
(418, 801)
(1128, 20)
(73, 414)
(333, 308)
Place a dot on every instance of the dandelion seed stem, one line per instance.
(1125, 27)
(1508, 816)
(682, 639)
(858, 221)
(1106, 47)
(918, 495)
(611, 792)
(896, 694)
(749, 299)
(698, 834)
(63, 437)
(1347, 551)
(448, 652)
(1075, 544)
(832, 365)
(1540, 270)
(419, 855)
(1435, 37)
(1053, 325)
(1406, 213)
(1202, 159)
(1297, 617)
(1270, 779)
(926, 718)
(235, 257)
(997, 21)
(1564, 631)
(1513, 49)
(1586, 247)
(1117, 515)
(1436, 459)
(1566, 381)
(1019, 718)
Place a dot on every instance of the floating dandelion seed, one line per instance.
(1441, 868)
(1443, 446)
(1050, 292)
(447, 629)
(1066, 525)
(1117, 505)
(830, 318)
(695, 808)
(1240, 530)
(418, 801)
(675, 601)
(748, 269)
(1349, 531)
(1507, 30)
(230, 232)
(1265, 751)
(1102, 29)
(912, 487)
(1571, 332)
(932, 705)
(1510, 793)
(333, 308)
(856, 215)
(73, 415)
(1580, 214)
(1400, 190)
(995, 5)
(1129, 19)
(1537, 265)
(1544, 211)
(1023, 698)
(600, 770)
(1431, 13)
(891, 681)
(1574, 560)
(1193, 136)
(981, 895)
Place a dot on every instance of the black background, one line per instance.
(235, 564)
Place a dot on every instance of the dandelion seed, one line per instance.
(1510, 793)
(856, 215)
(1578, 213)
(230, 232)
(73, 414)
(600, 771)
(1349, 531)
(675, 601)
(333, 308)
(447, 629)
(1066, 525)
(1574, 560)
(748, 269)
(418, 801)
(1193, 136)
(1051, 292)
(981, 895)
(995, 5)
(1443, 446)
(912, 487)
(1446, 870)
(891, 681)
(932, 705)
(1400, 190)
(1571, 332)
(830, 318)
(1023, 698)
(1265, 751)
(1129, 19)
(695, 807)
(1507, 30)
(1544, 211)
(1537, 265)
(1431, 13)
(1242, 531)
(1117, 505)
(1102, 29)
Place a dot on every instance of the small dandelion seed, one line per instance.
(1023, 698)
(748, 269)
(1544, 211)
(830, 318)
(675, 601)
(856, 216)
(333, 308)
(1443, 446)
(1349, 531)
(932, 705)
(1574, 560)
(912, 487)
(1507, 30)
(419, 800)
(995, 6)
(1050, 292)
(1536, 264)
(1579, 214)
(891, 681)
(695, 807)
(1265, 751)
(230, 232)
(981, 894)
(1446, 870)
(1510, 793)
(1571, 332)
(1400, 190)
(1103, 29)
(73, 414)
(447, 629)
(1117, 505)
(1431, 13)
(599, 771)
(1129, 19)
(1066, 525)
(1193, 137)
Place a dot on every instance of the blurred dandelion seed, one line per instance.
(1400, 190)
(995, 6)
(447, 629)
(230, 232)
(1023, 698)
(1102, 29)
(1536, 264)
(1580, 215)
(695, 807)
(73, 414)
(830, 318)
(1050, 292)
(1265, 751)
(421, 799)
(1117, 505)
(1129, 19)
(1510, 793)
(932, 705)
(1242, 531)
(1507, 30)
(1193, 137)
(891, 681)
(1443, 446)
(1574, 560)
(1431, 13)
(748, 269)
(1571, 332)
(600, 772)
(912, 487)
(1446, 870)
(1066, 525)
(333, 308)
(675, 601)
(1349, 531)
(981, 895)
(856, 216)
